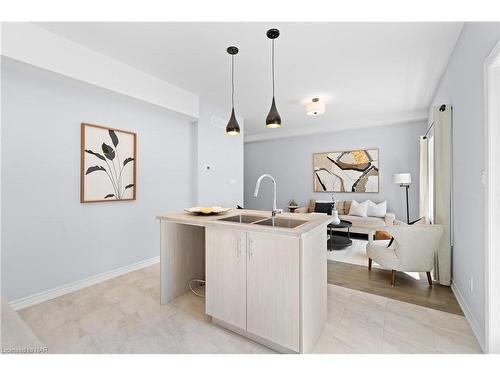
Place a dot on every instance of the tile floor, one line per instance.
(123, 315)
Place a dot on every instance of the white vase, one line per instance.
(335, 216)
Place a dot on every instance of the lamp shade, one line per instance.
(315, 107)
(401, 178)
(273, 119)
(232, 128)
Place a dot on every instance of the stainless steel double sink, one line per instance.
(278, 222)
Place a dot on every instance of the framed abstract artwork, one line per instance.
(355, 171)
(108, 164)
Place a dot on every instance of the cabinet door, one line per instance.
(273, 288)
(226, 275)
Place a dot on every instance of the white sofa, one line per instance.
(361, 225)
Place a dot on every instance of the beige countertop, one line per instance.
(313, 221)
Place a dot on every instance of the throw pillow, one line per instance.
(377, 209)
(312, 204)
(340, 207)
(382, 235)
(358, 209)
(324, 207)
(347, 207)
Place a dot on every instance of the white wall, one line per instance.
(290, 161)
(463, 87)
(222, 184)
(35, 45)
(48, 238)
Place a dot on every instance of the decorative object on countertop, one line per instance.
(355, 171)
(108, 164)
(232, 128)
(207, 210)
(292, 205)
(273, 119)
(404, 181)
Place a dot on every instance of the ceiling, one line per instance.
(369, 73)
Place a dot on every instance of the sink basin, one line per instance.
(246, 219)
(281, 222)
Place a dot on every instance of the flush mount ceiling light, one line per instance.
(315, 107)
(273, 119)
(232, 128)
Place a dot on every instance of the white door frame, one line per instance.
(491, 180)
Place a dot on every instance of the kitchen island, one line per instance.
(266, 278)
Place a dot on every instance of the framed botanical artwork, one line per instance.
(355, 171)
(108, 164)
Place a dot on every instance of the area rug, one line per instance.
(354, 254)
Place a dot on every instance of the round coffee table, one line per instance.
(339, 242)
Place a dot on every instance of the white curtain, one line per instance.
(424, 187)
(442, 199)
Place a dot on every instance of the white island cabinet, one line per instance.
(266, 283)
(226, 268)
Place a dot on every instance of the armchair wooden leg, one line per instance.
(369, 264)
(393, 278)
(429, 278)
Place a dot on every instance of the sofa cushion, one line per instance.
(363, 222)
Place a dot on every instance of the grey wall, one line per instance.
(222, 184)
(290, 161)
(48, 237)
(463, 87)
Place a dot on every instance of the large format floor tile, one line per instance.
(123, 315)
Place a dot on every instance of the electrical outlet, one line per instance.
(471, 284)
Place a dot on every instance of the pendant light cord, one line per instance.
(273, 66)
(232, 80)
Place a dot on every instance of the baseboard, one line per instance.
(478, 332)
(34, 299)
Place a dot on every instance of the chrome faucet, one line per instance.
(256, 192)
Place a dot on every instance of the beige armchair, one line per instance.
(412, 250)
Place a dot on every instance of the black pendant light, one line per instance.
(232, 128)
(273, 119)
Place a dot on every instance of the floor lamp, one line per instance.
(404, 180)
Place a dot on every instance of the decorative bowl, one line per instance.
(207, 210)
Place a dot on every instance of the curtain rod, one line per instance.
(441, 109)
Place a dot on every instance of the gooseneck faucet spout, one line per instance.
(256, 192)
